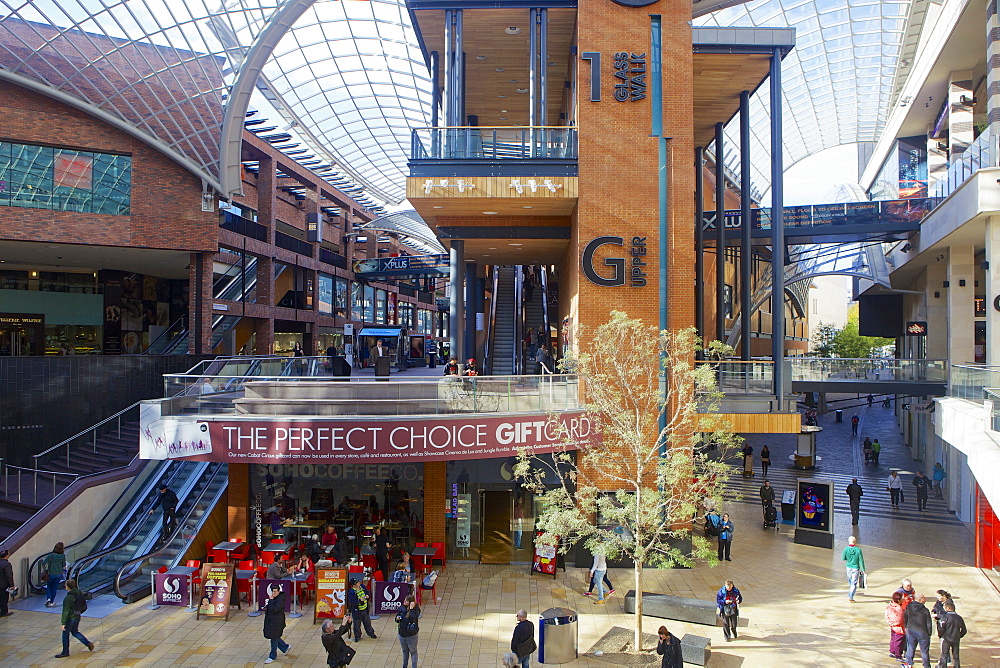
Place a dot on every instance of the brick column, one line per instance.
(238, 496)
(267, 188)
(200, 300)
(264, 336)
(435, 501)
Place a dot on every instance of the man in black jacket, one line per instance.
(522, 642)
(918, 625)
(168, 501)
(337, 651)
(854, 493)
(6, 582)
(952, 630)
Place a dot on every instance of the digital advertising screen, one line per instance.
(815, 505)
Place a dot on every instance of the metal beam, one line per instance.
(720, 232)
(456, 311)
(699, 244)
(746, 252)
(777, 229)
(231, 140)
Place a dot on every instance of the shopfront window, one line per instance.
(380, 304)
(357, 302)
(341, 296)
(325, 293)
(369, 304)
(42, 177)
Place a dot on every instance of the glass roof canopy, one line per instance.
(837, 82)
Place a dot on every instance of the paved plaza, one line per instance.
(795, 610)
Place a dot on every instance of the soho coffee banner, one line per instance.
(262, 441)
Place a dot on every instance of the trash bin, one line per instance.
(840, 415)
(788, 506)
(557, 636)
(382, 365)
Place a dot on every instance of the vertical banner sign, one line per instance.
(331, 593)
(544, 559)
(262, 592)
(258, 534)
(389, 596)
(463, 527)
(172, 589)
(216, 587)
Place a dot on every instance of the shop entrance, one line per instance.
(495, 509)
(21, 334)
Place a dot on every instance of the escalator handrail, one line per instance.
(31, 569)
(179, 525)
(518, 318)
(167, 331)
(76, 567)
(491, 323)
(543, 275)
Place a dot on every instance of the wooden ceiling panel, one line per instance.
(718, 80)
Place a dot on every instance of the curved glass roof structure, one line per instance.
(347, 76)
(838, 82)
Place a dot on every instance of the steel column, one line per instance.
(470, 310)
(543, 64)
(459, 71)
(720, 234)
(533, 67)
(436, 85)
(449, 66)
(456, 310)
(777, 230)
(699, 244)
(746, 257)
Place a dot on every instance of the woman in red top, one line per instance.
(329, 538)
(894, 618)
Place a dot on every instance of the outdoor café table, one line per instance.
(189, 571)
(419, 554)
(227, 547)
(305, 526)
(296, 580)
(278, 547)
(250, 575)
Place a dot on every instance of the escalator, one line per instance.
(535, 317)
(503, 354)
(130, 531)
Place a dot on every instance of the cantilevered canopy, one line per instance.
(410, 227)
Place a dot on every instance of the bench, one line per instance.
(673, 607)
(695, 649)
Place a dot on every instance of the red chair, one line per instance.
(261, 572)
(246, 565)
(267, 558)
(422, 588)
(378, 577)
(419, 562)
(162, 569)
(240, 553)
(208, 550)
(196, 576)
(439, 555)
(369, 561)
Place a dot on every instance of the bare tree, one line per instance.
(635, 493)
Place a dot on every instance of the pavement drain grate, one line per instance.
(615, 644)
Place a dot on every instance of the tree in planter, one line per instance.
(635, 493)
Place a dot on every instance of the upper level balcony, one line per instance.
(493, 151)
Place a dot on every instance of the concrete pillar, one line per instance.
(993, 81)
(456, 317)
(936, 310)
(992, 290)
(937, 159)
(961, 295)
(959, 113)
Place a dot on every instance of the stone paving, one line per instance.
(795, 610)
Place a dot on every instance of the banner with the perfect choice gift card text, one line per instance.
(353, 440)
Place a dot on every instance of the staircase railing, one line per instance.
(128, 569)
(491, 324)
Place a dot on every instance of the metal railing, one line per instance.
(33, 474)
(494, 143)
(872, 369)
(973, 381)
(961, 169)
(740, 377)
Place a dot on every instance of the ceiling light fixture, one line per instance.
(515, 81)
(490, 213)
(527, 207)
(439, 207)
(515, 244)
(522, 91)
(512, 30)
(502, 97)
(480, 57)
(503, 111)
(499, 69)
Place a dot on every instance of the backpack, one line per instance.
(79, 604)
(713, 524)
(408, 625)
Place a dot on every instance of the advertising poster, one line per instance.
(389, 596)
(815, 505)
(544, 558)
(262, 595)
(172, 589)
(331, 593)
(216, 587)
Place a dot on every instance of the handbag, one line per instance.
(44, 577)
(347, 654)
(526, 647)
(862, 581)
(728, 610)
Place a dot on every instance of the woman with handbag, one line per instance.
(53, 573)
(894, 618)
(728, 600)
(406, 620)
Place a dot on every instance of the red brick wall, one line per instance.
(166, 199)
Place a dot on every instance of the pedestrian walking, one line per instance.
(871, 400)
(766, 494)
(765, 460)
(855, 559)
(383, 546)
(922, 483)
(876, 451)
(167, 500)
(53, 573)
(952, 631)
(728, 600)
(6, 582)
(895, 486)
(338, 654)
(274, 621)
(938, 611)
(669, 647)
(522, 642)
(607, 583)
(854, 494)
(866, 447)
(897, 634)
(725, 537)
(359, 604)
(918, 625)
(855, 421)
(408, 628)
(73, 607)
(597, 571)
(939, 475)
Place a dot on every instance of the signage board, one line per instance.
(404, 265)
(815, 506)
(463, 527)
(286, 586)
(216, 587)
(389, 596)
(172, 589)
(356, 441)
(331, 593)
(915, 328)
(544, 558)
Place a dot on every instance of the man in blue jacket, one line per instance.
(359, 604)
(728, 600)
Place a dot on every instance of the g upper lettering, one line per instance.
(616, 263)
